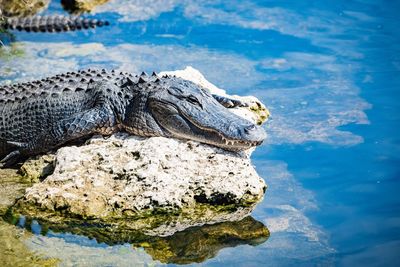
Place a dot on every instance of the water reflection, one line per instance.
(193, 245)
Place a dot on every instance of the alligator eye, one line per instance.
(192, 99)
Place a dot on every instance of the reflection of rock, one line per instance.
(200, 243)
(22, 8)
(125, 177)
(194, 244)
(78, 6)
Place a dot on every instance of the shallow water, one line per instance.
(329, 74)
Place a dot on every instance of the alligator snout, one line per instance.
(253, 133)
(249, 129)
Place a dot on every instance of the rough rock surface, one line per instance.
(145, 181)
(129, 177)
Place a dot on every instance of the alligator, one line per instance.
(42, 115)
(52, 23)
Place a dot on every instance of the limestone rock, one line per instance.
(129, 177)
(37, 168)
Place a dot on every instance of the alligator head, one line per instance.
(181, 109)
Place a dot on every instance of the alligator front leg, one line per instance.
(229, 102)
(98, 120)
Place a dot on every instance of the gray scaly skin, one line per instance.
(39, 116)
(52, 23)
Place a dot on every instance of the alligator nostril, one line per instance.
(249, 128)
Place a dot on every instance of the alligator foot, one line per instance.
(230, 102)
(10, 159)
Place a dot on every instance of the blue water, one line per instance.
(328, 72)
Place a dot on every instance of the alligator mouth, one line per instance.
(225, 142)
(240, 142)
(228, 143)
(207, 135)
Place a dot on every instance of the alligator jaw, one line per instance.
(228, 130)
(228, 143)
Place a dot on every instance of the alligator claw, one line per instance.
(10, 159)
(16, 144)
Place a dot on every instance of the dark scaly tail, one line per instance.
(52, 23)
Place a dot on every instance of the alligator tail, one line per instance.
(53, 23)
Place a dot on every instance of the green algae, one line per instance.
(262, 113)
